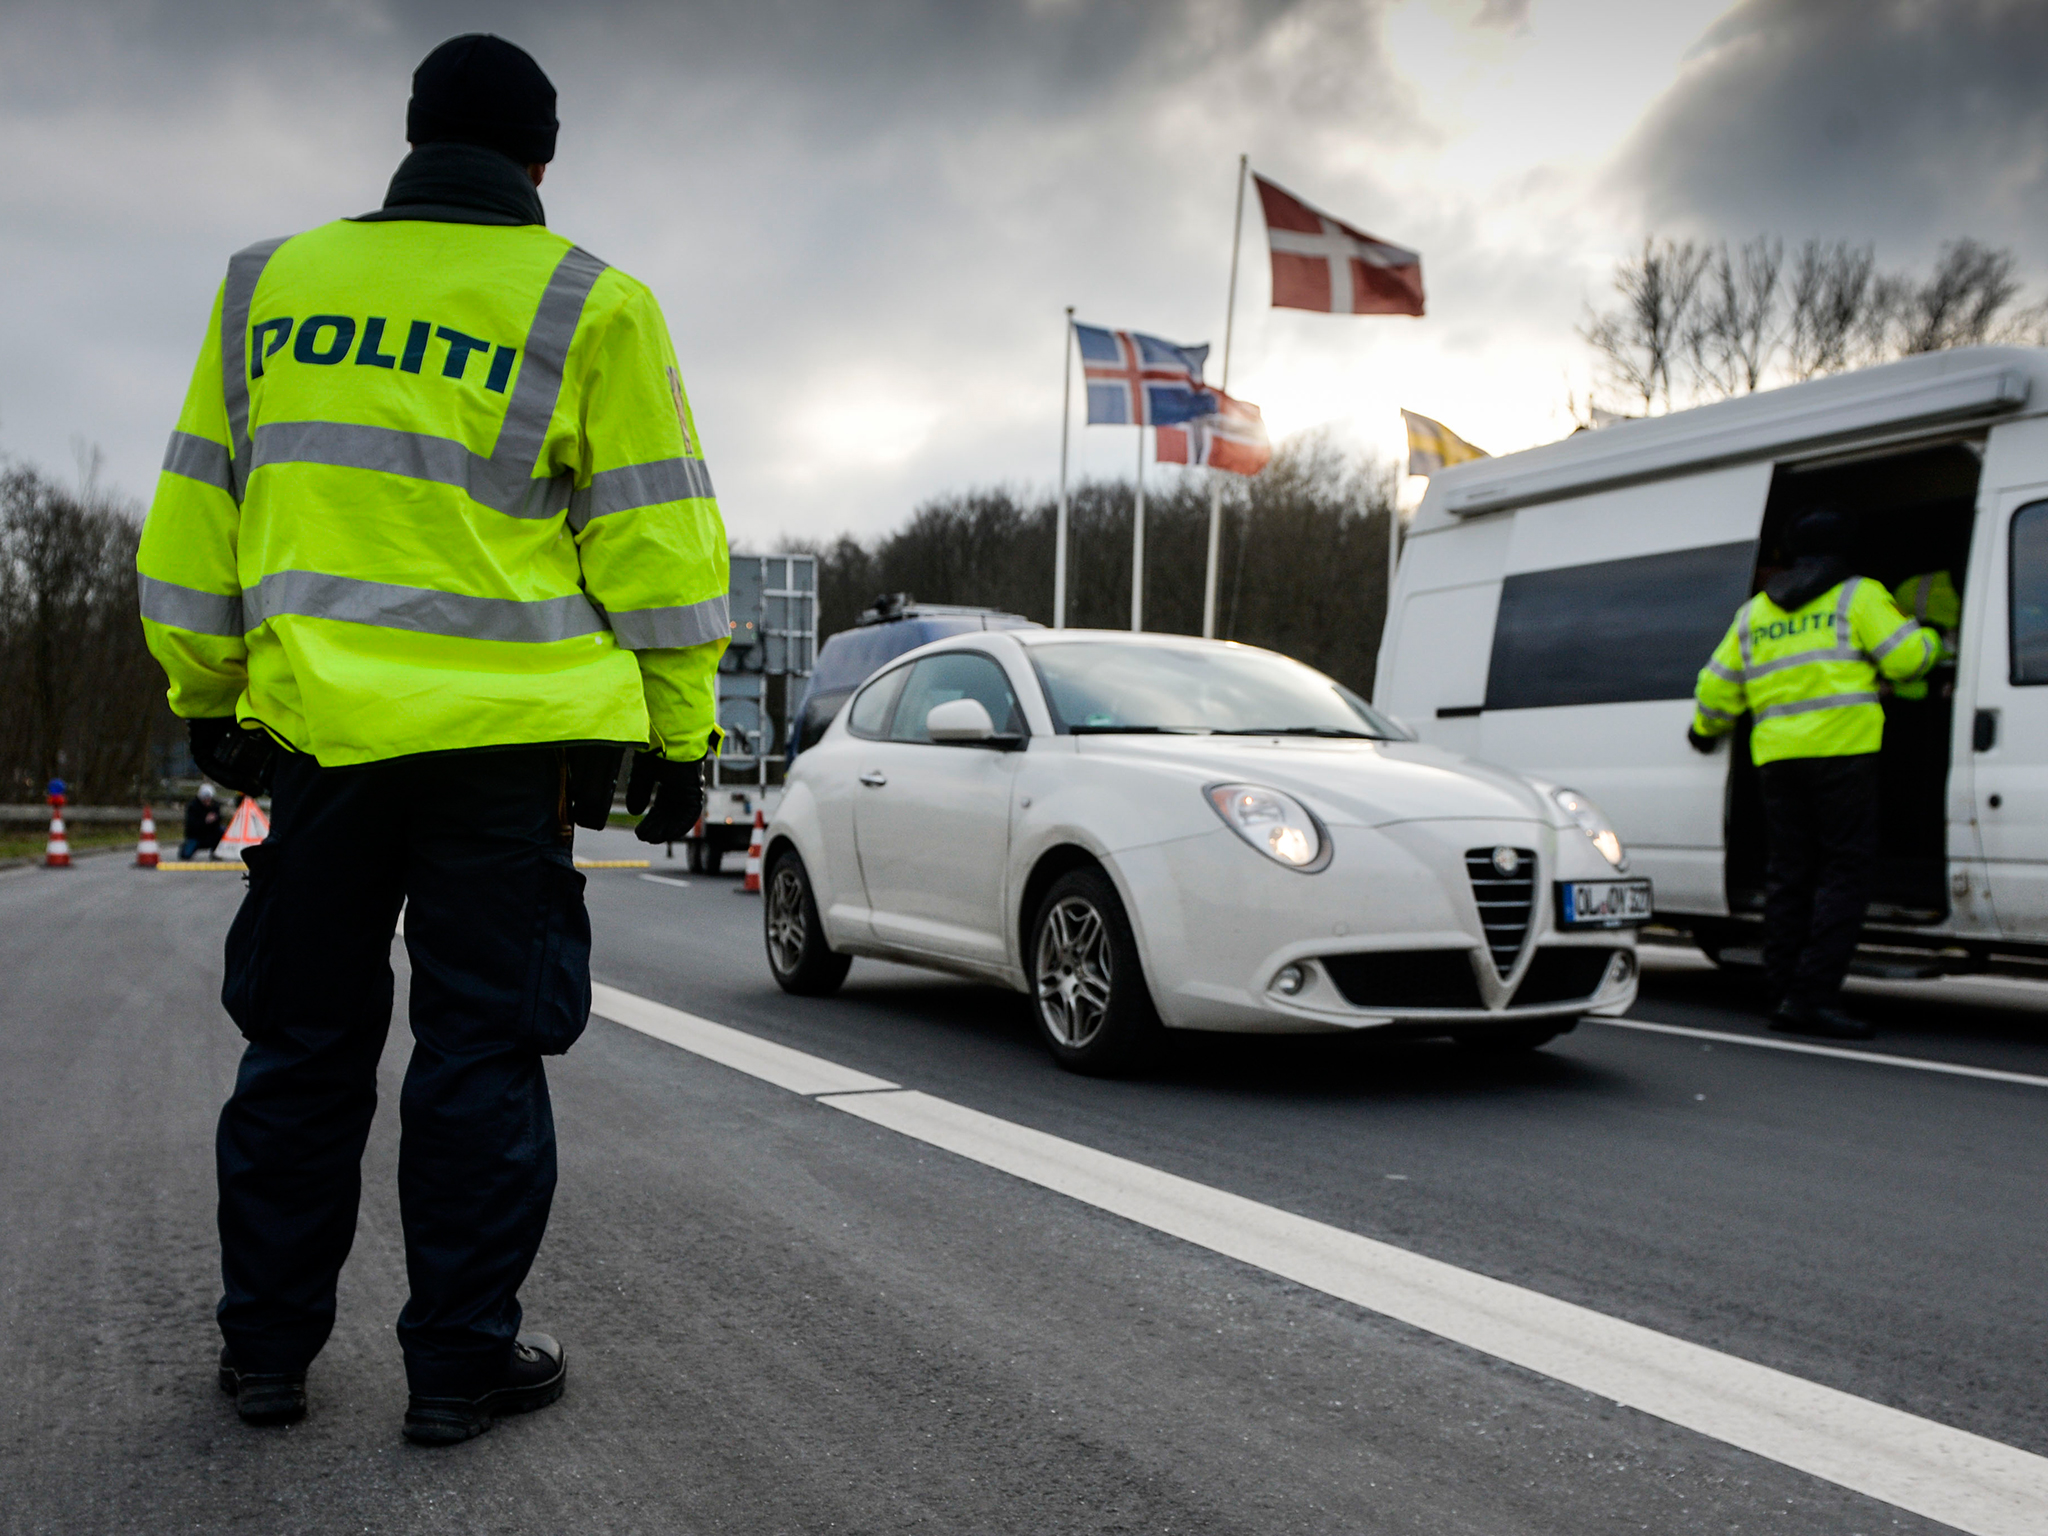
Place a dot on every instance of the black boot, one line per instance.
(533, 1378)
(263, 1398)
(1797, 1017)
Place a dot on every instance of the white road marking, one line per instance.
(1967, 1481)
(1800, 1047)
(777, 1064)
(667, 880)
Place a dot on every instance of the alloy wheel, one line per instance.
(1073, 972)
(786, 926)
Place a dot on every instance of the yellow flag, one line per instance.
(1432, 445)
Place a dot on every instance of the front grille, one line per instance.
(1504, 902)
(1558, 975)
(1406, 978)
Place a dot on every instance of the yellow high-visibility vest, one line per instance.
(1810, 676)
(436, 486)
(1932, 599)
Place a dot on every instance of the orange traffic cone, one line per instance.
(58, 854)
(752, 886)
(146, 850)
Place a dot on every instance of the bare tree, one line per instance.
(1959, 303)
(1734, 321)
(1735, 324)
(1830, 297)
(1639, 340)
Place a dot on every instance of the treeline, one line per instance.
(81, 698)
(1696, 321)
(1302, 568)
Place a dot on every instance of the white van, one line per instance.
(1553, 608)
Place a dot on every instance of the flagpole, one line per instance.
(1215, 483)
(1138, 529)
(1059, 542)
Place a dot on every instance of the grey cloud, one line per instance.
(1906, 122)
(873, 209)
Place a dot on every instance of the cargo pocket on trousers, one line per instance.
(556, 1004)
(245, 989)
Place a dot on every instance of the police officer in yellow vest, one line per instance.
(1932, 600)
(1803, 658)
(433, 546)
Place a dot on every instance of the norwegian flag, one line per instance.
(1324, 264)
(1233, 438)
(1139, 380)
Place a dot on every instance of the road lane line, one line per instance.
(1966, 1481)
(1951, 1068)
(667, 880)
(797, 1071)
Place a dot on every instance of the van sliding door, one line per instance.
(1610, 606)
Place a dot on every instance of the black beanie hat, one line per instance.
(1824, 532)
(480, 89)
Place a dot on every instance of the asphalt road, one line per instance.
(782, 1318)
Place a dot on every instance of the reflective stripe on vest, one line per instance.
(504, 481)
(203, 613)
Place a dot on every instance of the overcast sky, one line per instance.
(864, 219)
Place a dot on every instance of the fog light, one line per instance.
(1620, 969)
(1290, 980)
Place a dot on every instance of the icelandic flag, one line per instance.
(1139, 380)
(1232, 438)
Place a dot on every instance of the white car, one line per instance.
(1147, 830)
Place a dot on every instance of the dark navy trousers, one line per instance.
(476, 848)
(1821, 827)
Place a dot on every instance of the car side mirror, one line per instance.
(960, 720)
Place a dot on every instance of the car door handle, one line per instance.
(874, 778)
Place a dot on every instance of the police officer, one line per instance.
(434, 544)
(1803, 657)
(1932, 599)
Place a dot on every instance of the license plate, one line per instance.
(1603, 903)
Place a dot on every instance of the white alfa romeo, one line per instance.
(1148, 830)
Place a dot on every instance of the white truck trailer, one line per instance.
(1553, 608)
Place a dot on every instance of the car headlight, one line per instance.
(1594, 823)
(1278, 825)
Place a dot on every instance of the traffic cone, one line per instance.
(146, 850)
(58, 854)
(752, 886)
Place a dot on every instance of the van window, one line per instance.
(1616, 631)
(869, 716)
(956, 675)
(2030, 594)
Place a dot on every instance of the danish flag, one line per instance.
(1233, 438)
(1139, 380)
(1324, 264)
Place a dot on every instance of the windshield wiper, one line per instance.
(1139, 730)
(1302, 730)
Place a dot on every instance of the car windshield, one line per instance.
(1106, 687)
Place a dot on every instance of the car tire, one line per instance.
(1512, 1039)
(798, 955)
(1088, 993)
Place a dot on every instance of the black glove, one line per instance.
(593, 779)
(1699, 743)
(677, 790)
(227, 754)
